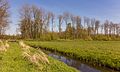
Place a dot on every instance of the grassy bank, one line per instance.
(102, 53)
(13, 61)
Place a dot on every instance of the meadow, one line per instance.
(101, 53)
(12, 60)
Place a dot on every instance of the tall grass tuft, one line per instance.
(34, 56)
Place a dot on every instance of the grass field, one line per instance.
(102, 53)
(13, 61)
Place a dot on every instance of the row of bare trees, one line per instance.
(36, 22)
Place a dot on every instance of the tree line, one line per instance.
(38, 23)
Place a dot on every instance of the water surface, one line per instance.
(81, 66)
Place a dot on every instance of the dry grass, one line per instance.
(37, 57)
(4, 46)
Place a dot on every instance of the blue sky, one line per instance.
(100, 9)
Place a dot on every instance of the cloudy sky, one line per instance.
(100, 9)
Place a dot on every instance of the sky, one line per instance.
(99, 9)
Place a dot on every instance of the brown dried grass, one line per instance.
(36, 58)
(4, 47)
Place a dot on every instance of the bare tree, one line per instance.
(93, 26)
(97, 25)
(38, 21)
(102, 28)
(78, 26)
(117, 29)
(73, 21)
(87, 22)
(110, 28)
(47, 21)
(52, 20)
(25, 22)
(4, 15)
(31, 21)
(60, 17)
(66, 17)
(106, 24)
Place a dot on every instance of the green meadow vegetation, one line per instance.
(12, 60)
(83, 38)
(102, 53)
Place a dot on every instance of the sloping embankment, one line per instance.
(13, 60)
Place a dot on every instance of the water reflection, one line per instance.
(80, 66)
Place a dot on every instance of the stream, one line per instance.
(79, 65)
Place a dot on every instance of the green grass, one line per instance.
(13, 61)
(102, 53)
